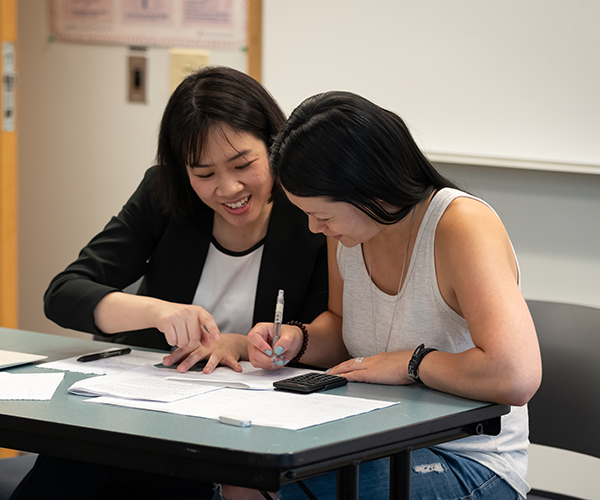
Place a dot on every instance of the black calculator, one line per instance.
(310, 382)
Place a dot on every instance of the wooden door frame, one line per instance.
(8, 191)
(254, 44)
(8, 197)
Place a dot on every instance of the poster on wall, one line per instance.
(216, 24)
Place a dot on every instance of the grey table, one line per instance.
(256, 457)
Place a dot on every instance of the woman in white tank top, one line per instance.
(424, 288)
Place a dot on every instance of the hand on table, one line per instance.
(390, 368)
(227, 351)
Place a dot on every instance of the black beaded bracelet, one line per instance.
(304, 340)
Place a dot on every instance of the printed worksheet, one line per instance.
(267, 408)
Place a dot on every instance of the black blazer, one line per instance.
(170, 255)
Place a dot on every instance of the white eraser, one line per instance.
(233, 420)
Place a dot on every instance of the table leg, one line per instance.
(400, 475)
(347, 482)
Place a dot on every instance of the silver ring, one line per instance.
(359, 359)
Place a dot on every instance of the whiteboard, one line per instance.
(513, 79)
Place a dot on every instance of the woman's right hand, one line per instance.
(260, 345)
(185, 325)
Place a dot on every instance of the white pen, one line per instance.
(278, 320)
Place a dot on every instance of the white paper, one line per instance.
(249, 378)
(31, 386)
(266, 408)
(145, 383)
(107, 366)
(149, 383)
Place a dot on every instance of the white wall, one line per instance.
(499, 78)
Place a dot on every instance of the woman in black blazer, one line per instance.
(213, 184)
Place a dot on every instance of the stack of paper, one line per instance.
(212, 395)
(268, 408)
(145, 383)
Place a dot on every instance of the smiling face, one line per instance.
(233, 178)
(341, 221)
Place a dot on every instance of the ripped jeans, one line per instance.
(435, 475)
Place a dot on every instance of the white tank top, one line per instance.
(422, 316)
(227, 287)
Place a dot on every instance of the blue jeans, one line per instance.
(435, 475)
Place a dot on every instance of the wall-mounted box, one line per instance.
(137, 79)
(184, 62)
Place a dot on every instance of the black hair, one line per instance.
(207, 99)
(343, 147)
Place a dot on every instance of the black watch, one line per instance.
(415, 361)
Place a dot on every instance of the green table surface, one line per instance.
(259, 456)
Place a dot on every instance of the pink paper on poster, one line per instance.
(171, 23)
(158, 13)
(208, 13)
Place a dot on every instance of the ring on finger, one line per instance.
(360, 359)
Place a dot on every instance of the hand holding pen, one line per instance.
(277, 325)
(261, 342)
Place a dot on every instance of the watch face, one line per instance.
(411, 369)
(412, 364)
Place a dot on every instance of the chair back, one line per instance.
(565, 412)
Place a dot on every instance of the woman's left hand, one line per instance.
(390, 368)
(227, 351)
(260, 344)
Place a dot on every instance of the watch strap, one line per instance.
(413, 365)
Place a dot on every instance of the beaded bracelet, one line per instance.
(304, 340)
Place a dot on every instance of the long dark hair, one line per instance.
(208, 99)
(341, 146)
